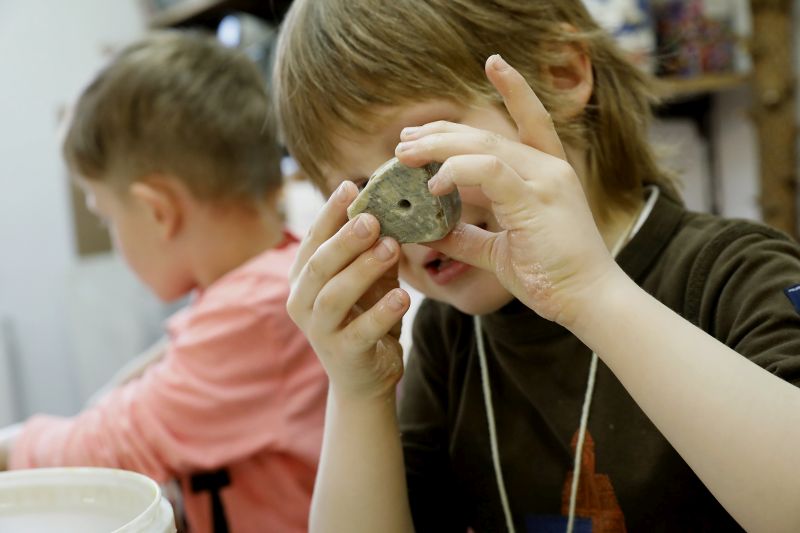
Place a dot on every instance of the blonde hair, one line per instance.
(339, 61)
(180, 104)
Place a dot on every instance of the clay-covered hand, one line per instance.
(550, 254)
(346, 298)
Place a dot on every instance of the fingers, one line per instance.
(388, 281)
(498, 181)
(329, 259)
(331, 218)
(345, 289)
(442, 141)
(373, 325)
(439, 126)
(534, 125)
(469, 244)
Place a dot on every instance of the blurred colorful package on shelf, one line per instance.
(696, 37)
(631, 24)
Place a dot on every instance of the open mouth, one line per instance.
(443, 269)
(438, 264)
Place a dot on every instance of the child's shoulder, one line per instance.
(261, 284)
(708, 240)
(711, 265)
(681, 238)
(726, 230)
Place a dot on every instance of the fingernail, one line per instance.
(437, 179)
(403, 147)
(385, 250)
(339, 194)
(396, 300)
(408, 132)
(499, 64)
(433, 183)
(362, 227)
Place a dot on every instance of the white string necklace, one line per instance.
(627, 235)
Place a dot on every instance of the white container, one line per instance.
(82, 500)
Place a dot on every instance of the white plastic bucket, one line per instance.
(82, 500)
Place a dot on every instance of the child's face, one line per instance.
(469, 289)
(137, 237)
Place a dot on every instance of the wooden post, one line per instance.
(774, 111)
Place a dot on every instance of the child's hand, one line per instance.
(550, 254)
(345, 297)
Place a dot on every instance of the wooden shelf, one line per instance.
(681, 88)
(208, 13)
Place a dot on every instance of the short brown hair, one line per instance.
(182, 104)
(340, 61)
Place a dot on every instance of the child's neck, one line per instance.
(616, 221)
(619, 223)
(230, 238)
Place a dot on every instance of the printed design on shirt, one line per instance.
(793, 293)
(596, 499)
(596, 506)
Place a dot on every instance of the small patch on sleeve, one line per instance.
(793, 293)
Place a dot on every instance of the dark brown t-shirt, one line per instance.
(727, 277)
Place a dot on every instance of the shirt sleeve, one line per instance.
(214, 398)
(740, 298)
(432, 492)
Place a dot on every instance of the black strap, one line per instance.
(214, 482)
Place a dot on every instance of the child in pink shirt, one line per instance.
(174, 148)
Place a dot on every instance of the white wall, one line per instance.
(736, 154)
(733, 147)
(682, 150)
(8, 398)
(48, 51)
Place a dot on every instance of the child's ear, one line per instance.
(573, 78)
(160, 198)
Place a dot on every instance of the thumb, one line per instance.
(468, 244)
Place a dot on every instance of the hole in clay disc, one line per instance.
(404, 204)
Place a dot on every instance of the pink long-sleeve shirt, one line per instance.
(239, 387)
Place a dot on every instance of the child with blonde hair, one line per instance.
(573, 244)
(174, 146)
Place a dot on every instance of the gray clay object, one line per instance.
(398, 196)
